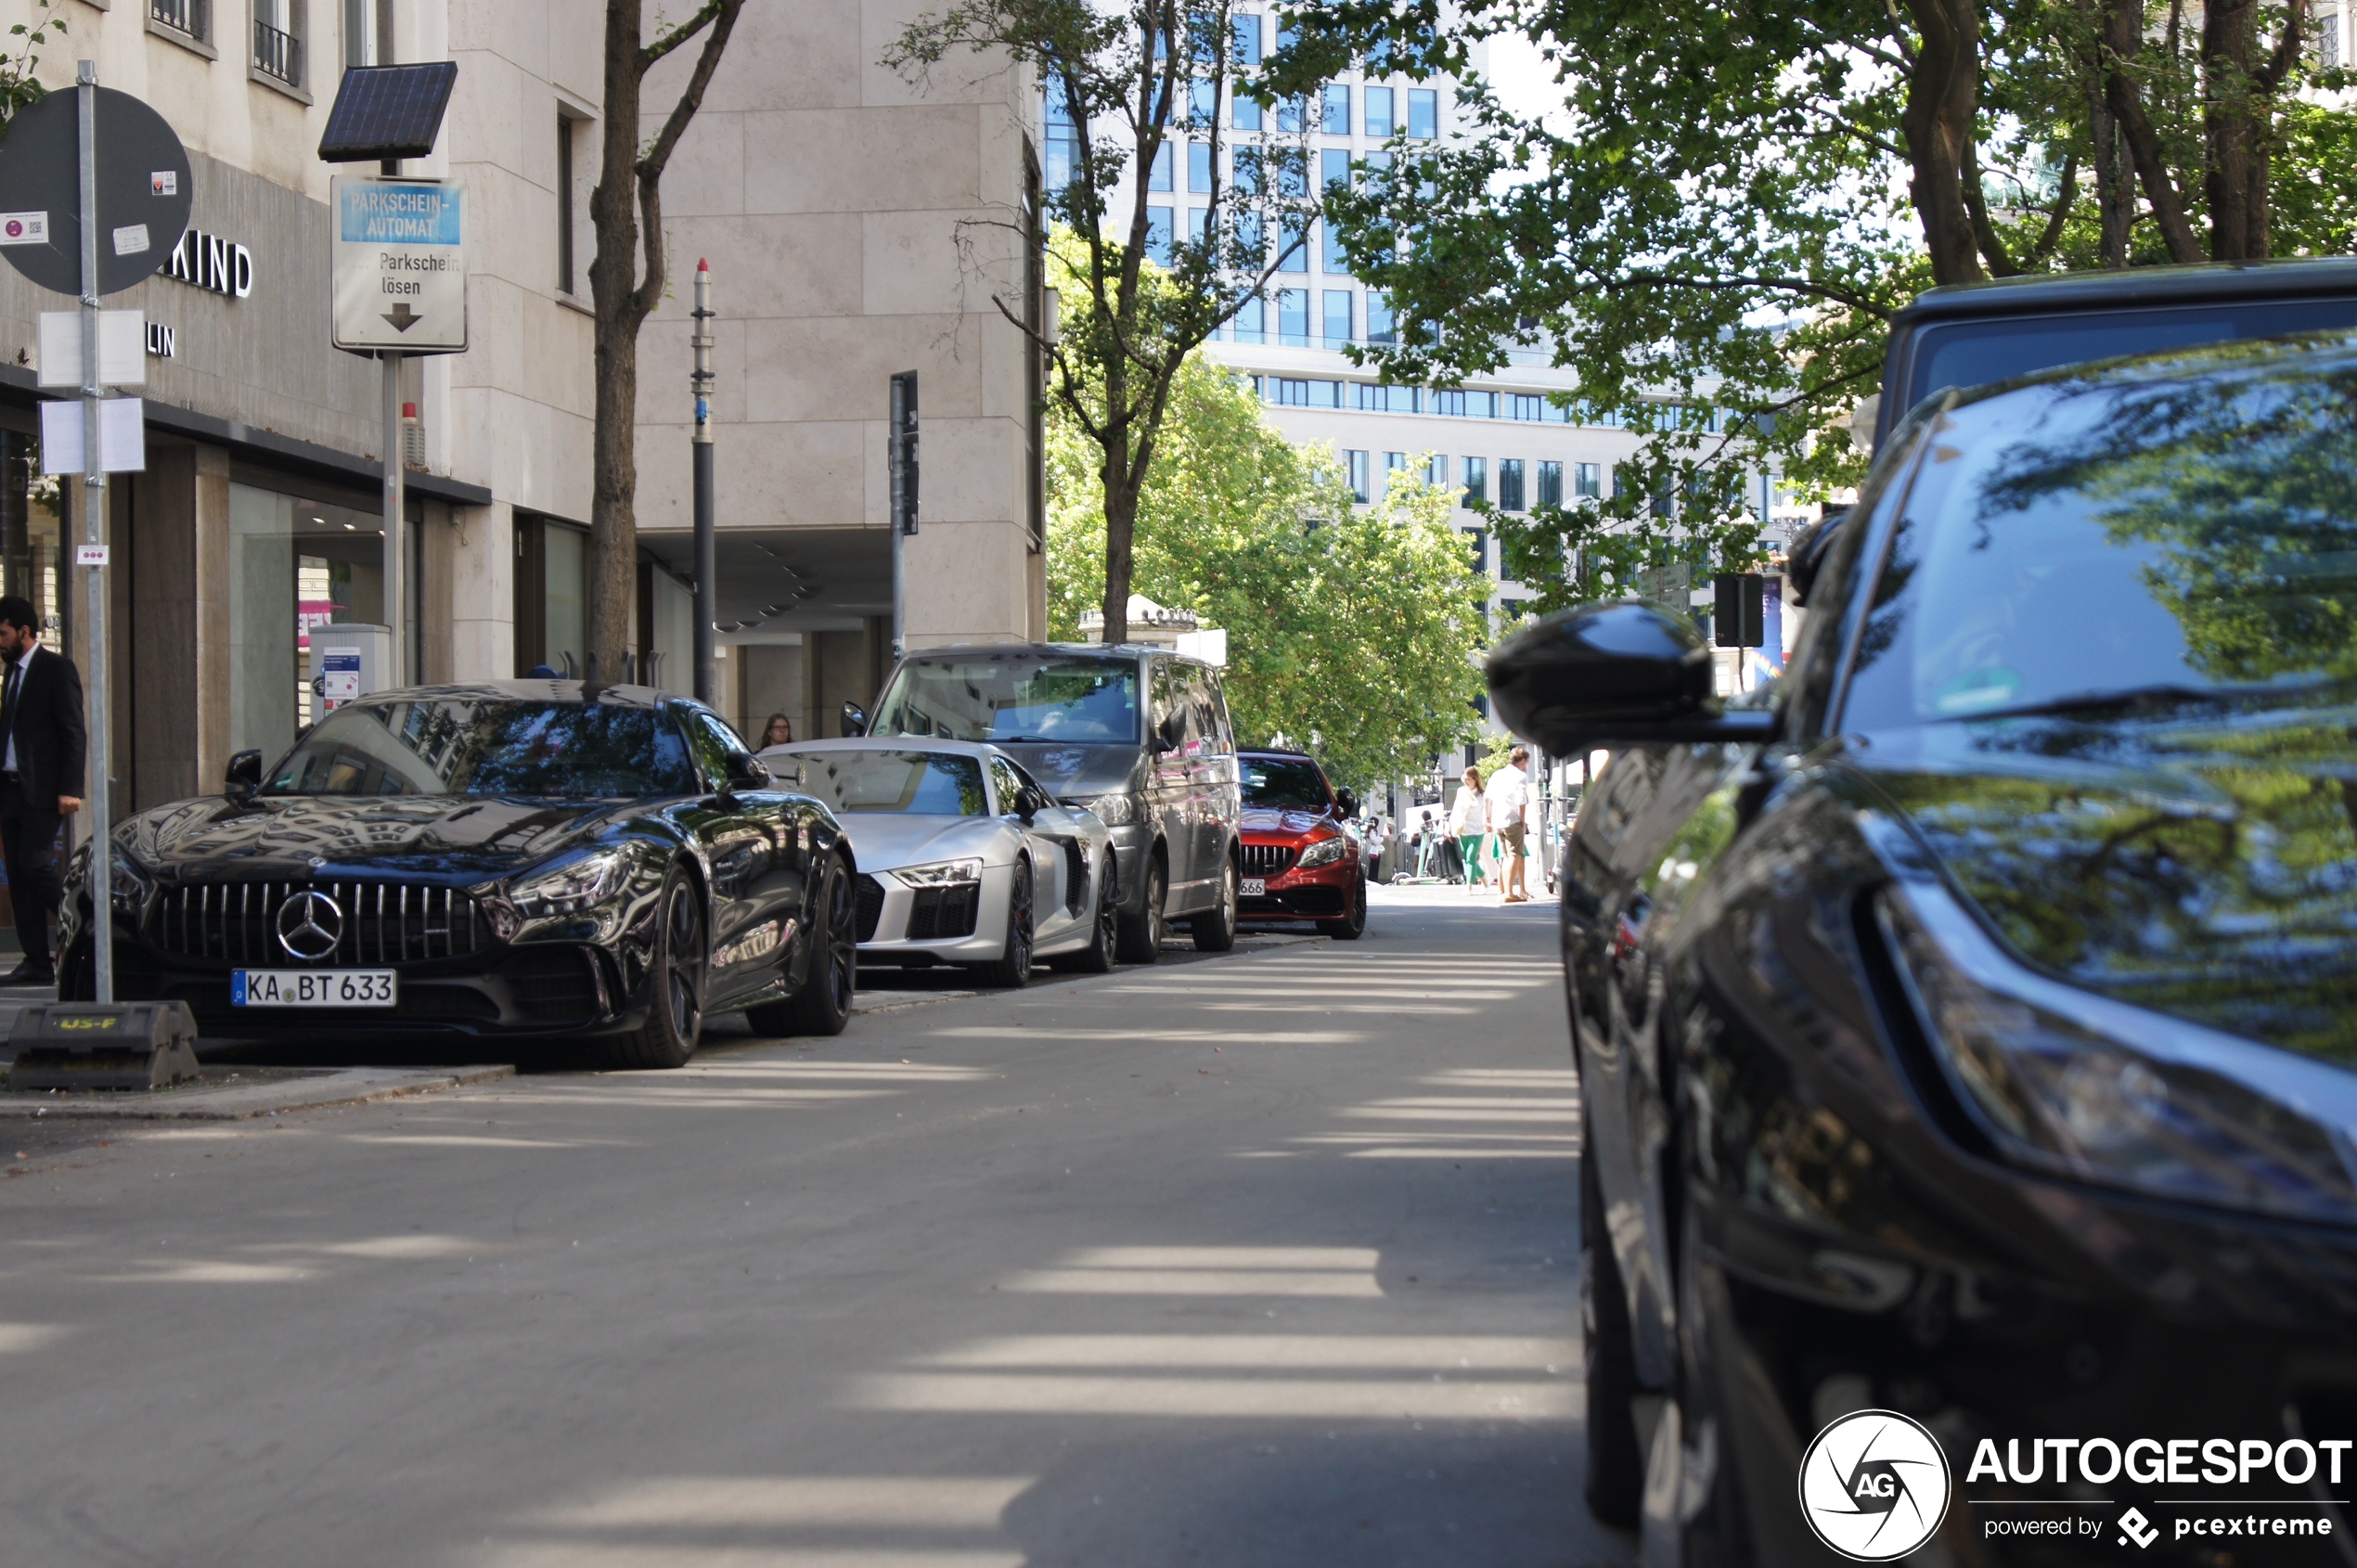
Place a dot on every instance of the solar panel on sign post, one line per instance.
(388, 111)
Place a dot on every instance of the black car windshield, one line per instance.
(1044, 697)
(1287, 784)
(922, 783)
(2191, 536)
(495, 746)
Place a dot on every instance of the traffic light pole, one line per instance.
(707, 650)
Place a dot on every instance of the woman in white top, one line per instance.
(1469, 819)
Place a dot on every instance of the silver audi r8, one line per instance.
(964, 858)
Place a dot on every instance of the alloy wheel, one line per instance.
(683, 966)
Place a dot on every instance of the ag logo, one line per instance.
(1873, 1485)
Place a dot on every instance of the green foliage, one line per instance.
(1351, 631)
(19, 88)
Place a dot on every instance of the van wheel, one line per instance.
(1216, 932)
(1142, 933)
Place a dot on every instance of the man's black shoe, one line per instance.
(29, 974)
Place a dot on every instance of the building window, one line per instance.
(1526, 406)
(1199, 168)
(1376, 398)
(1294, 237)
(278, 51)
(2328, 50)
(1509, 484)
(1334, 260)
(1158, 232)
(1357, 463)
(1246, 170)
(1249, 317)
(1587, 480)
(1290, 114)
(1445, 403)
(1379, 121)
(359, 32)
(1393, 463)
(564, 204)
(1334, 167)
(1476, 479)
(1477, 541)
(1293, 318)
(1198, 225)
(1158, 176)
(296, 566)
(1244, 113)
(1379, 318)
(1247, 50)
(1333, 110)
(1378, 167)
(1063, 141)
(552, 599)
(1436, 471)
(189, 16)
(1337, 316)
(1423, 113)
(1550, 484)
(1291, 393)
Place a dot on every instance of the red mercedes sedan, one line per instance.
(1299, 863)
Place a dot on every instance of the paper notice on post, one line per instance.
(123, 436)
(130, 239)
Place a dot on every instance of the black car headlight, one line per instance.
(128, 883)
(2078, 1084)
(1325, 852)
(570, 886)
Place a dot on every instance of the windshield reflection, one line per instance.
(519, 748)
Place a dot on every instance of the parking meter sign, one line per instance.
(400, 265)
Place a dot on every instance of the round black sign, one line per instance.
(143, 191)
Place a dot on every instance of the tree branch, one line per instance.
(651, 164)
(678, 35)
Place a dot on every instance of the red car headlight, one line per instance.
(1325, 852)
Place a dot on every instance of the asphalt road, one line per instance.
(1266, 1259)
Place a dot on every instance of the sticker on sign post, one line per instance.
(90, 554)
(24, 229)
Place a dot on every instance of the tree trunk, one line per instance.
(1122, 480)
(614, 212)
(2123, 41)
(2227, 29)
(1939, 125)
(2115, 196)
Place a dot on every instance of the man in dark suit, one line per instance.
(43, 749)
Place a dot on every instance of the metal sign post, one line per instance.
(94, 513)
(707, 652)
(902, 440)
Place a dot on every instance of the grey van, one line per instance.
(1139, 736)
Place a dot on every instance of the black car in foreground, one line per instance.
(511, 858)
(1967, 1034)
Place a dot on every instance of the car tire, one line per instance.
(1353, 926)
(1142, 933)
(823, 1006)
(1012, 970)
(1216, 932)
(1616, 1483)
(1104, 934)
(675, 981)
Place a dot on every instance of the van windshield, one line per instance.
(1972, 353)
(1015, 697)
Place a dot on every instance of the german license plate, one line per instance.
(1256, 887)
(313, 988)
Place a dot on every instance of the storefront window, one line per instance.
(31, 531)
(294, 564)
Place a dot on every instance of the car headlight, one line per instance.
(2078, 1084)
(940, 873)
(569, 886)
(129, 883)
(1114, 811)
(1325, 852)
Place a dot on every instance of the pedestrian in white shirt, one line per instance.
(1509, 797)
(1469, 819)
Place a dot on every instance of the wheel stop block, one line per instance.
(87, 1045)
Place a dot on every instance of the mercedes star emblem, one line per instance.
(310, 925)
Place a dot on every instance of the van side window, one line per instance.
(1166, 699)
(1214, 702)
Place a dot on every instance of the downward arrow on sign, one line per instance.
(403, 317)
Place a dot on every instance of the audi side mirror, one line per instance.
(1626, 674)
(244, 775)
(855, 720)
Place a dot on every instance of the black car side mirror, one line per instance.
(1345, 803)
(746, 771)
(244, 775)
(1627, 674)
(855, 720)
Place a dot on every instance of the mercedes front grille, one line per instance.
(384, 924)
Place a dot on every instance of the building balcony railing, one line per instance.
(191, 17)
(277, 54)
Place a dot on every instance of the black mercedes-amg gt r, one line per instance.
(1967, 1033)
(511, 858)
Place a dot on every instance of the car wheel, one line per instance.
(1142, 933)
(1097, 958)
(1615, 1470)
(675, 981)
(1013, 967)
(823, 1004)
(1216, 932)
(1353, 926)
